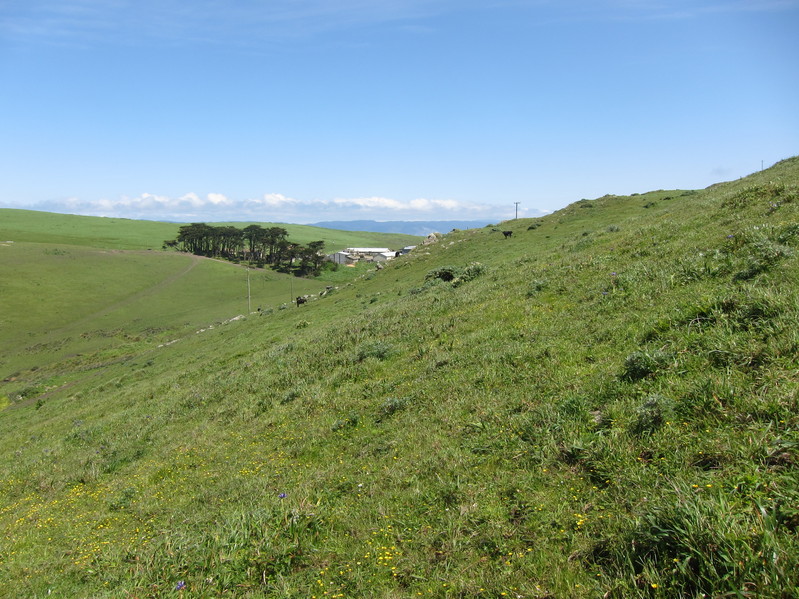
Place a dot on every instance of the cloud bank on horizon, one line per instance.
(385, 109)
(275, 207)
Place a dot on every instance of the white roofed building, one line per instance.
(350, 255)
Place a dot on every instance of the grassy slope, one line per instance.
(110, 233)
(118, 233)
(75, 284)
(606, 406)
(62, 300)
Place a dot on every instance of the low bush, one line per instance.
(379, 350)
(456, 276)
(390, 406)
(652, 414)
(641, 364)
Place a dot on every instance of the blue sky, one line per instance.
(308, 110)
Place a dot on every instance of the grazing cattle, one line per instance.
(301, 300)
(507, 234)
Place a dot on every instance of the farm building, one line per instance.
(351, 255)
(341, 258)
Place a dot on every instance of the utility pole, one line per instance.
(517, 210)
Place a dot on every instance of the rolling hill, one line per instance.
(76, 284)
(123, 234)
(603, 404)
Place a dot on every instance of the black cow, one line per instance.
(507, 234)
(301, 300)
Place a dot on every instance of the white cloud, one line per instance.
(274, 200)
(374, 202)
(191, 199)
(217, 199)
(272, 207)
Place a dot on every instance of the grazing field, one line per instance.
(73, 284)
(107, 233)
(604, 404)
(119, 233)
(62, 300)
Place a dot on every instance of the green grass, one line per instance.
(604, 404)
(110, 233)
(64, 300)
(118, 233)
(73, 285)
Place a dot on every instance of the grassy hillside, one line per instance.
(109, 233)
(61, 300)
(120, 233)
(75, 284)
(604, 404)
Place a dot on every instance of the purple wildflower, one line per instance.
(282, 495)
(180, 585)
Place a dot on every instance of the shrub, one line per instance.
(788, 233)
(290, 396)
(379, 350)
(390, 406)
(536, 285)
(445, 273)
(351, 420)
(651, 415)
(763, 254)
(454, 275)
(770, 194)
(698, 546)
(474, 270)
(641, 364)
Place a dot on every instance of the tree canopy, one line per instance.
(255, 244)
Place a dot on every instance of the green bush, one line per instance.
(641, 364)
(445, 273)
(379, 350)
(349, 421)
(390, 406)
(536, 286)
(652, 414)
(456, 276)
(471, 272)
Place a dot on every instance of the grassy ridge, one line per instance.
(110, 233)
(118, 233)
(604, 404)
